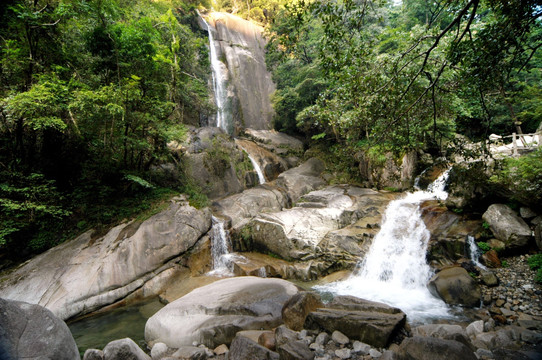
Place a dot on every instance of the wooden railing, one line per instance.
(532, 143)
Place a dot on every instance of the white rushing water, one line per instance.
(474, 252)
(258, 169)
(395, 271)
(220, 248)
(219, 75)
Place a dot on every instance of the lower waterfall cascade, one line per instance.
(394, 270)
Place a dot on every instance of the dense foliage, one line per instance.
(90, 94)
(385, 77)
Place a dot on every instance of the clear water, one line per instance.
(221, 248)
(95, 332)
(395, 270)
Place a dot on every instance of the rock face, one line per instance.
(456, 287)
(297, 232)
(242, 46)
(367, 321)
(507, 226)
(276, 142)
(211, 160)
(213, 314)
(32, 332)
(393, 173)
(302, 179)
(87, 273)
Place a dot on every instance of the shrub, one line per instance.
(484, 246)
(535, 262)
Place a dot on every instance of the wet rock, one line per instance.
(456, 287)
(444, 331)
(431, 348)
(276, 142)
(507, 226)
(214, 313)
(538, 236)
(271, 164)
(295, 311)
(243, 348)
(370, 322)
(124, 349)
(526, 213)
(30, 332)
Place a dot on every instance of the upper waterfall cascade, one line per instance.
(241, 82)
(395, 271)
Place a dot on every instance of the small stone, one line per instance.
(507, 312)
(375, 354)
(340, 338)
(343, 353)
(315, 346)
(221, 349)
(484, 354)
(361, 348)
(489, 325)
(322, 338)
(475, 328)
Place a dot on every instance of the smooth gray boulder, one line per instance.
(507, 226)
(297, 232)
(432, 348)
(89, 272)
(456, 287)
(303, 179)
(214, 313)
(124, 349)
(30, 331)
(93, 354)
(370, 322)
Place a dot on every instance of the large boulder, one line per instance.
(303, 179)
(432, 348)
(456, 287)
(241, 208)
(297, 232)
(214, 313)
(394, 173)
(30, 331)
(367, 321)
(507, 226)
(241, 44)
(89, 272)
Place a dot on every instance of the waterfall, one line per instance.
(220, 248)
(219, 75)
(474, 252)
(258, 169)
(395, 270)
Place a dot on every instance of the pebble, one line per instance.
(517, 291)
(340, 338)
(343, 353)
